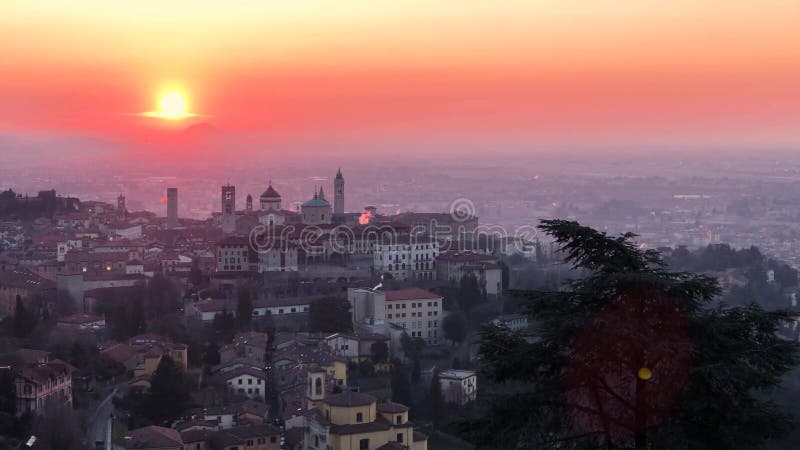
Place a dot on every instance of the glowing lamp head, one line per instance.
(172, 105)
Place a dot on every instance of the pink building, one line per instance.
(36, 386)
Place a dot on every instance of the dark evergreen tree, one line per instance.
(244, 309)
(437, 409)
(330, 315)
(196, 277)
(379, 352)
(454, 327)
(169, 395)
(632, 356)
(8, 392)
(211, 357)
(401, 387)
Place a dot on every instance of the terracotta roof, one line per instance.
(392, 445)
(120, 353)
(254, 431)
(32, 356)
(391, 408)
(350, 398)
(411, 294)
(244, 370)
(358, 428)
(80, 319)
(25, 279)
(155, 437)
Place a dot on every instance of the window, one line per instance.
(249, 381)
(363, 444)
(389, 316)
(359, 417)
(240, 381)
(249, 442)
(399, 419)
(273, 439)
(400, 437)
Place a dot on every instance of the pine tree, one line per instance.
(632, 356)
(436, 398)
(244, 309)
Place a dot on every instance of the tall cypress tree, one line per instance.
(632, 355)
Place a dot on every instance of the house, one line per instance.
(250, 345)
(454, 265)
(121, 353)
(250, 437)
(281, 306)
(458, 386)
(21, 284)
(154, 438)
(49, 382)
(352, 420)
(356, 347)
(246, 381)
(81, 322)
(514, 322)
(151, 348)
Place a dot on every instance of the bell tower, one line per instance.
(315, 393)
(228, 203)
(338, 193)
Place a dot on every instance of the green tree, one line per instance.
(379, 352)
(58, 428)
(224, 325)
(196, 277)
(211, 356)
(470, 292)
(455, 327)
(401, 387)
(632, 356)
(24, 319)
(244, 309)
(437, 409)
(330, 315)
(169, 395)
(8, 393)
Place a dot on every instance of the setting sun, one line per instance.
(172, 105)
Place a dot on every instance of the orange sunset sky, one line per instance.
(566, 71)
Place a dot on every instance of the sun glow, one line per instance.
(172, 105)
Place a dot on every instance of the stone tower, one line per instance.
(121, 209)
(338, 193)
(228, 202)
(172, 208)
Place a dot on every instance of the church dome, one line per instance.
(270, 193)
(317, 202)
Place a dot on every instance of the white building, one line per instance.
(417, 311)
(454, 265)
(409, 258)
(458, 386)
(246, 381)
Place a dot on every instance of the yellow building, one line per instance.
(151, 348)
(356, 421)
